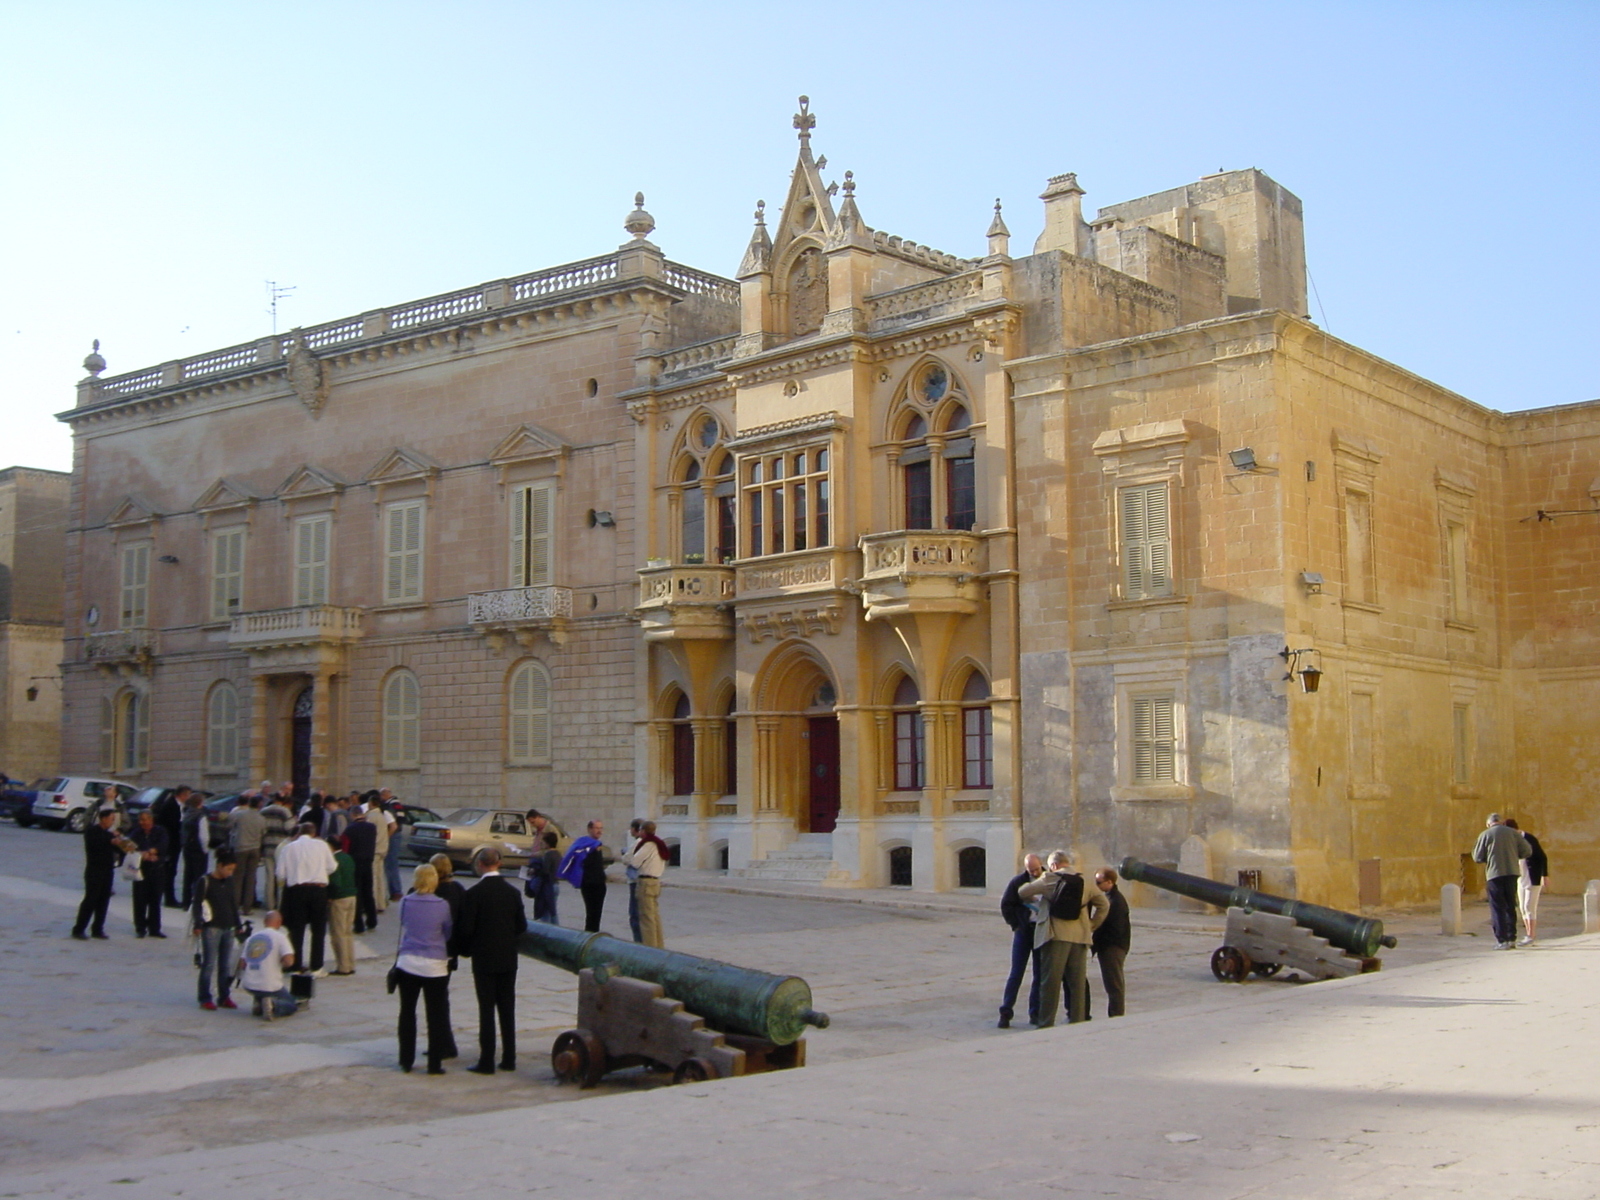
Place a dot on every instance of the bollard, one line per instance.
(1450, 910)
(1591, 907)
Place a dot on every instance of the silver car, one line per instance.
(462, 833)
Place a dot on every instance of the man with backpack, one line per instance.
(1064, 926)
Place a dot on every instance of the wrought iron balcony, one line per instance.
(921, 571)
(306, 625)
(688, 602)
(521, 612)
(131, 648)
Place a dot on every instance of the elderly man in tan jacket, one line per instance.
(1069, 913)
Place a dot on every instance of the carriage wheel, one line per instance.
(1267, 970)
(693, 1070)
(1230, 964)
(578, 1057)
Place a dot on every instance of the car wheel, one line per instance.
(78, 821)
(23, 822)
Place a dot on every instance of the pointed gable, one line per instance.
(227, 493)
(132, 509)
(529, 443)
(403, 463)
(808, 217)
(307, 480)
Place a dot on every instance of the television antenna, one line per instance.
(276, 291)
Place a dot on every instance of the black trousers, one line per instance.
(366, 904)
(1503, 907)
(96, 899)
(497, 996)
(306, 904)
(194, 870)
(1111, 961)
(436, 1002)
(594, 899)
(147, 899)
(169, 872)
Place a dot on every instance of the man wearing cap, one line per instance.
(1501, 850)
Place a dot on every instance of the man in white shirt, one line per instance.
(266, 953)
(304, 866)
(647, 858)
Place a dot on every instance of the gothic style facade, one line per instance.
(871, 566)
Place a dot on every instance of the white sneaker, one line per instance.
(1505, 945)
(1525, 941)
(319, 973)
(269, 1008)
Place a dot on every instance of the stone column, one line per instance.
(322, 726)
(260, 702)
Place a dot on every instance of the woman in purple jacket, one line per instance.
(422, 964)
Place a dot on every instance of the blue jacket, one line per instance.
(425, 926)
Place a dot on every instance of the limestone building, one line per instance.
(871, 566)
(33, 508)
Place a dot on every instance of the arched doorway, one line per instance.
(300, 739)
(797, 740)
(822, 755)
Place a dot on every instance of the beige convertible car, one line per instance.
(461, 834)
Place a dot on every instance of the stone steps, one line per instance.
(808, 859)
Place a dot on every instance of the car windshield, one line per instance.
(49, 783)
(417, 815)
(466, 816)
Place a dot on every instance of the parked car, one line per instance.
(461, 833)
(146, 797)
(410, 816)
(16, 799)
(66, 801)
(218, 808)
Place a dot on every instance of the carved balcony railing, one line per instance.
(523, 613)
(922, 571)
(306, 625)
(925, 301)
(687, 602)
(126, 648)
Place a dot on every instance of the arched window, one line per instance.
(704, 486)
(977, 734)
(130, 732)
(938, 477)
(972, 868)
(222, 728)
(730, 751)
(528, 715)
(910, 743)
(682, 748)
(900, 867)
(402, 721)
(788, 500)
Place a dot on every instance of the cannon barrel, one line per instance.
(1361, 936)
(731, 999)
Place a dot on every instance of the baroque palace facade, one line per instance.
(874, 565)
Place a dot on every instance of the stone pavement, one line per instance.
(106, 1062)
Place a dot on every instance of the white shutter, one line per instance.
(135, 585)
(140, 708)
(541, 503)
(402, 580)
(519, 536)
(402, 705)
(222, 729)
(1146, 541)
(1153, 739)
(108, 735)
(227, 573)
(529, 716)
(311, 561)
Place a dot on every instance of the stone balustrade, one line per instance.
(925, 301)
(931, 551)
(137, 644)
(301, 626)
(698, 359)
(692, 584)
(509, 607)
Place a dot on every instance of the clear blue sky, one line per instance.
(162, 160)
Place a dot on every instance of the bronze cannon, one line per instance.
(1266, 932)
(631, 1010)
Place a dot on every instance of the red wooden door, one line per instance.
(823, 741)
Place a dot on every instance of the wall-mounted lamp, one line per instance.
(603, 519)
(1310, 675)
(1312, 582)
(169, 558)
(32, 693)
(1243, 459)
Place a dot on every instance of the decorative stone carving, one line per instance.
(792, 622)
(305, 375)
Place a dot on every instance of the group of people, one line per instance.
(1516, 870)
(1057, 922)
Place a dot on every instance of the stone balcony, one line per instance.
(521, 613)
(913, 572)
(688, 603)
(124, 650)
(306, 625)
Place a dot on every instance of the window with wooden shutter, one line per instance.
(222, 729)
(1146, 541)
(402, 721)
(311, 560)
(1154, 739)
(227, 573)
(532, 512)
(402, 575)
(132, 752)
(135, 585)
(528, 716)
(108, 734)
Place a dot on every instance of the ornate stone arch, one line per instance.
(956, 676)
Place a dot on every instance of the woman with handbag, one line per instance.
(422, 965)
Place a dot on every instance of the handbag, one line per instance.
(130, 866)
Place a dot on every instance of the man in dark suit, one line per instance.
(100, 847)
(1020, 917)
(1111, 942)
(361, 839)
(491, 922)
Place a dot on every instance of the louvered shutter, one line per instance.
(1146, 541)
(519, 536)
(227, 573)
(108, 734)
(1153, 739)
(311, 561)
(541, 502)
(529, 716)
(403, 565)
(135, 584)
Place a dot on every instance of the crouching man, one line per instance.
(267, 954)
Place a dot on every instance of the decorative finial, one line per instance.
(833, 190)
(761, 213)
(639, 222)
(94, 364)
(822, 163)
(803, 120)
(850, 184)
(998, 234)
